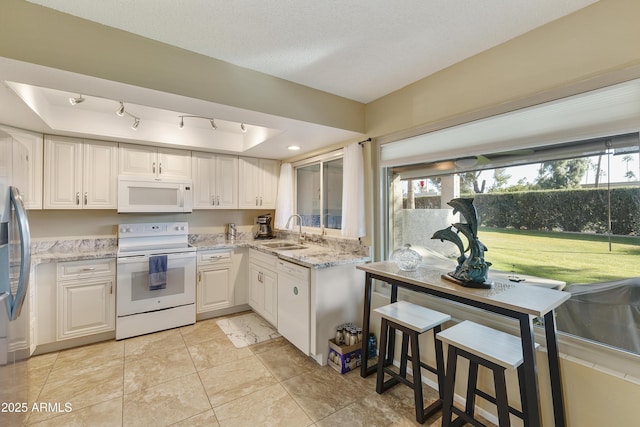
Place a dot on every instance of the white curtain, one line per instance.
(284, 200)
(353, 192)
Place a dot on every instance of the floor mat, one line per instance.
(247, 329)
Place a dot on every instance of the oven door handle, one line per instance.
(132, 259)
(140, 258)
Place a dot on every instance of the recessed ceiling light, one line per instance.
(293, 147)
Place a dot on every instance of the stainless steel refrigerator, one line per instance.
(15, 241)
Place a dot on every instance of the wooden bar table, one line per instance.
(515, 300)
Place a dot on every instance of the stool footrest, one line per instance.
(464, 418)
(425, 366)
(492, 399)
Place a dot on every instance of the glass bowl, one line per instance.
(406, 258)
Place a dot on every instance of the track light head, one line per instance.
(120, 110)
(136, 122)
(243, 128)
(75, 101)
(213, 124)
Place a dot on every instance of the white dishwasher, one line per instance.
(294, 304)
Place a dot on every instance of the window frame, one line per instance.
(319, 160)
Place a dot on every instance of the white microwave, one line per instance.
(138, 194)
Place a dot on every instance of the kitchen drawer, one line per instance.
(73, 270)
(214, 257)
(265, 260)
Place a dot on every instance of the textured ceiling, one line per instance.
(358, 49)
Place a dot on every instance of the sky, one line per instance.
(617, 174)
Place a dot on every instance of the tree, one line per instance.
(500, 179)
(469, 183)
(628, 174)
(561, 173)
(597, 169)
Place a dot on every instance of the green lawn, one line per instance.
(570, 257)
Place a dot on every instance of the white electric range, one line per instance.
(146, 252)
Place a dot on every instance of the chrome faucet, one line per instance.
(300, 236)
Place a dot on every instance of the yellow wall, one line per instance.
(35, 34)
(594, 46)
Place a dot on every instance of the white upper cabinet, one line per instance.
(79, 174)
(139, 160)
(27, 172)
(258, 183)
(215, 181)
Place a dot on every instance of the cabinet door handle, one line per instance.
(256, 200)
(153, 167)
(213, 200)
(218, 200)
(85, 198)
(111, 290)
(260, 200)
(77, 198)
(160, 168)
(199, 276)
(88, 269)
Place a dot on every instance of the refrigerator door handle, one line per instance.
(25, 255)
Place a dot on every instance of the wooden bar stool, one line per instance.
(488, 347)
(412, 320)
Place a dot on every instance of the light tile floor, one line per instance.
(194, 376)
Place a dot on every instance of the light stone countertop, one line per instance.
(48, 250)
(314, 255)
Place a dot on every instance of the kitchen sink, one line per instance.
(283, 246)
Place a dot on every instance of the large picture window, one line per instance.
(568, 213)
(318, 186)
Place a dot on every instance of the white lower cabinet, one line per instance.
(221, 282)
(86, 297)
(215, 287)
(263, 285)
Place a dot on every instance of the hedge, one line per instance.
(580, 210)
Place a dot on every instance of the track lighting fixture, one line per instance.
(243, 127)
(211, 120)
(78, 100)
(122, 112)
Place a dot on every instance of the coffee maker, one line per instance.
(264, 227)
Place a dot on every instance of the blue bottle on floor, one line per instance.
(372, 346)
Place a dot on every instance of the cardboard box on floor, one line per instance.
(344, 358)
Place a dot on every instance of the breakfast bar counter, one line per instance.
(515, 300)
